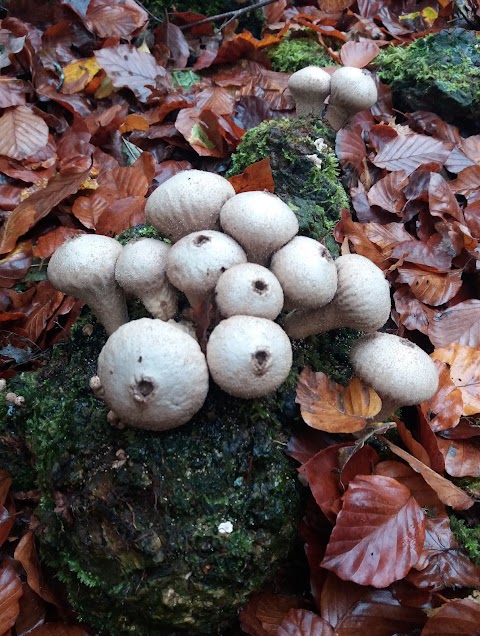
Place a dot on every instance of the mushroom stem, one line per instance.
(309, 87)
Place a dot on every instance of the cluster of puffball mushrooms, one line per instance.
(242, 252)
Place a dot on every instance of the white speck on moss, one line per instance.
(226, 527)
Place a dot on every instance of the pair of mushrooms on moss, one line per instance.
(152, 372)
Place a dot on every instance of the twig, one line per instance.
(153, 17)
(229, 14)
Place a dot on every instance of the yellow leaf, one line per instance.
(78, 74)
(134, 122)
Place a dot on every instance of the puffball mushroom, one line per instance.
(84, 267)
(196, 262)
(260, 222)
(250, 290)
(248, 356)
(187, 202)
(351, 90)
(400, 372)
(309, 87)
(362, 301)
(141, 271)
(153, 375)
(306, 272)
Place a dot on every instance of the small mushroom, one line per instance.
(196, 262)
(351, 90)
(152, 375)
(249, 357)
(141, 271)
(362, 301)
(187, 202)
(260, 222)
(249, 289)
(309, 86)
(400, 372)
(306, 272)
(84, 267)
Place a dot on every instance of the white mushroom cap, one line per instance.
(248, 356)
(351, 90)
(309, 87)
(187, 202)
(399, 371)
(153, 375)
(249, 289)
(141, 271)
(362, 301)
(196, 262)
(306, 272)
(260, 222)
(84, 267)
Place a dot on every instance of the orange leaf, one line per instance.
(257, 176)
(26, 553)
(462, 457)
(429, 287)
(10, 592)
(465, 373)
(358, 54)
(48, 243)
(330, 407)
(134, 122)
(444, 409)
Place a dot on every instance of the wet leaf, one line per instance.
(358, 54)
(107, 18)
(460, 617)
(462, 458)
(10, 592)
(58, 629)
(127, 67)
(411, 444)
(379, 532)
(22, 133)
(26, 554)
(257, 176)
(465, 373)
(459, 323)
(447, 492)
(300, 622)
(32, 611)
(328, 406)
(408, 152)
(444, 409)
(429, 287)
(78, 74)
(134, 122)
(16, 264)
(264, 613)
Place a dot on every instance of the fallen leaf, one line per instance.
(443, 410)
(459, 324)
(32, 611)
(388, 192)
(16, 264)
(58, 629)
(462, 458)
(107, 18)
(358, 54)
(301, 622)
(431, 288)
(460, 617)
(264, 613)
(22, 133)
(412, 313)
(10, 592)
(48, 243)
(350, 148)
(465, 373)
(408, 152)
(78, 74)
(379, 532)
(257, 176)
(134, 122)
(26, 554)
(328, 406)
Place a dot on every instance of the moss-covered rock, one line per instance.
(305, 170)
(438, 73)
(294, 53)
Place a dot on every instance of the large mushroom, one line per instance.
(249, 357)
(351, 91)
(362, 301)
(196, 262)
(260, 222)
(187, 202)
(141, 271)
(306, 272)
(309, 86)
(152, 375)
(84, 267)
(398, 370)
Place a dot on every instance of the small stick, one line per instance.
(229, 14)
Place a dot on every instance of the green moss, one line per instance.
(294, 53)
(468, 537)
(439, 73)
(311, 187)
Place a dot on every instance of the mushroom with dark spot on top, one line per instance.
(248, 356)
(309, 86)
(398, 370)
(84, 267)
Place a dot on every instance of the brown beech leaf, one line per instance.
(465, 373)
(441, 200)
(346, 228)
(472, 218)
(58, 629)
(434, 254)
(257, 176)
(412, 313)
(128, 67)
(32, 611)
(301, 622)
(22, 133)
(10, 592)
(264, 613)
(121, 215)
(411, 444)
(134, 122)
(388, 192)
(173, 38)
(26, 554)
(379, 532)
(429, 287)
(354, 609)
(462, 457)
(358, 54)
(90, 208)
(447, 492)
(444, 409)
(16, 264)
(328, 482)
(12, 92)
(387, 236)
(467, 183)
(460, 617)
(459, 323)
(48, 243)
(108, 18)
(408, 152)
(330, 407)
(37, 206)
(350, 147)
(334, 6)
